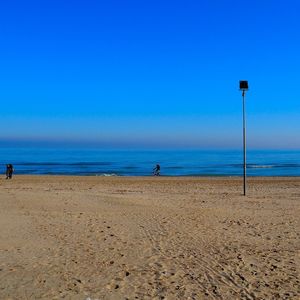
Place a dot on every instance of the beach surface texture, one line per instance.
(149, 238)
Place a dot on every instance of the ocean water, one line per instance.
(97, 162)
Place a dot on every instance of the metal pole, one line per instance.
(244, 142)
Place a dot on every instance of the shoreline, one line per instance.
(151, 176)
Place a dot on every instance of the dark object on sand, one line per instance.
(9, 171)
(156, 170)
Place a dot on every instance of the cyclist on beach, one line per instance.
(156, 170)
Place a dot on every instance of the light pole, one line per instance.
(244, 88)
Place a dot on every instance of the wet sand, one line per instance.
(149, 238)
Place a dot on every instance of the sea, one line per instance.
(103, 162)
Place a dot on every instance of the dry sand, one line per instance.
(149, 238)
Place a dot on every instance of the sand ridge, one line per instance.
(149, 238)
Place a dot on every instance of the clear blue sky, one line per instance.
(150, 73)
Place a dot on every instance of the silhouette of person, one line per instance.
(156, 170)
(9, 171)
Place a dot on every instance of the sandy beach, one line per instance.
(149, 238)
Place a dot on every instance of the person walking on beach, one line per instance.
(9, 171)
(156, 170)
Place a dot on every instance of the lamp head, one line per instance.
(244, 85)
